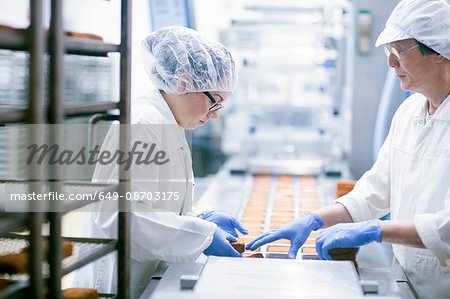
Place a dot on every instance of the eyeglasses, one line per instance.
(215, 105)
(393, 51)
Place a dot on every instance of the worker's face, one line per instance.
(193, 109)
(413, 69)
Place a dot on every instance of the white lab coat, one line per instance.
(155, 236)
(411, 180)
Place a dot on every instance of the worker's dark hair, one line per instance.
(426, 50)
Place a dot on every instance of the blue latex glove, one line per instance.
(297, 231)
(347, 235)
(220, 245)
(225, 222)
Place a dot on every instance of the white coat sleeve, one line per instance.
(161, 235)
(154, 235)
(169, 237)
(434, 231)
(370, 198)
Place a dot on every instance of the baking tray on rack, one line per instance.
(84, 251)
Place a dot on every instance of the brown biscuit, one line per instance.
(253, 255)
(14, 263)
(344, 254)
(80, 293)
(340, 250)
(84, 35)
(67, 248)
(239, 245)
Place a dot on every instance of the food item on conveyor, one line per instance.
(253, 255)
(283, 249)
(253, 226)
(310, 242)
(252, 221)
(309, 250)
(248, 241)
(239, 245)
(80, 293)
(344, 187)
(344, 254)
(282, 241)
(283, 214)
(314, 234)
(253, 214)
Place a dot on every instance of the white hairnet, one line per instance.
(180, 60)
(427, 21)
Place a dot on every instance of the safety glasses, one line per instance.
(215, 105)
(393, 51)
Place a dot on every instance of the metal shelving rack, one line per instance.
(34, 41)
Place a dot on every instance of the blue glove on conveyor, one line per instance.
(220, 245)
(347, 235)
(225, 222)
(297, 231)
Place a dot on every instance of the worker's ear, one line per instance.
(184, 83)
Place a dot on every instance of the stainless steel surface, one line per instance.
(291, 167)
(170, 283)
(405, 290)
(268, 278)
(386, 284)
(188, 281)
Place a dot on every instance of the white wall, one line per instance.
(141, 27)
(369, 75)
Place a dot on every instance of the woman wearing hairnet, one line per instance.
(193, 77)
(411, 177)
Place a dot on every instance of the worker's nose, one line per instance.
(214, 115)
(392, 61)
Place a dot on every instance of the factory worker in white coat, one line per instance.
(411, 177)
(193, 77)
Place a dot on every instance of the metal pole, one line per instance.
(56, 117)
(124, 176)
(36, 116)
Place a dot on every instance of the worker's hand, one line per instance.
(297, 231)
(227, 223)
(220, 245)
(347, 235)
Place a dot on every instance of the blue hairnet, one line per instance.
(179, 60)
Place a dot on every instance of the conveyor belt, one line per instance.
(274, 201)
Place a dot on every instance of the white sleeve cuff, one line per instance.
(429, 234)
(359, 212)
